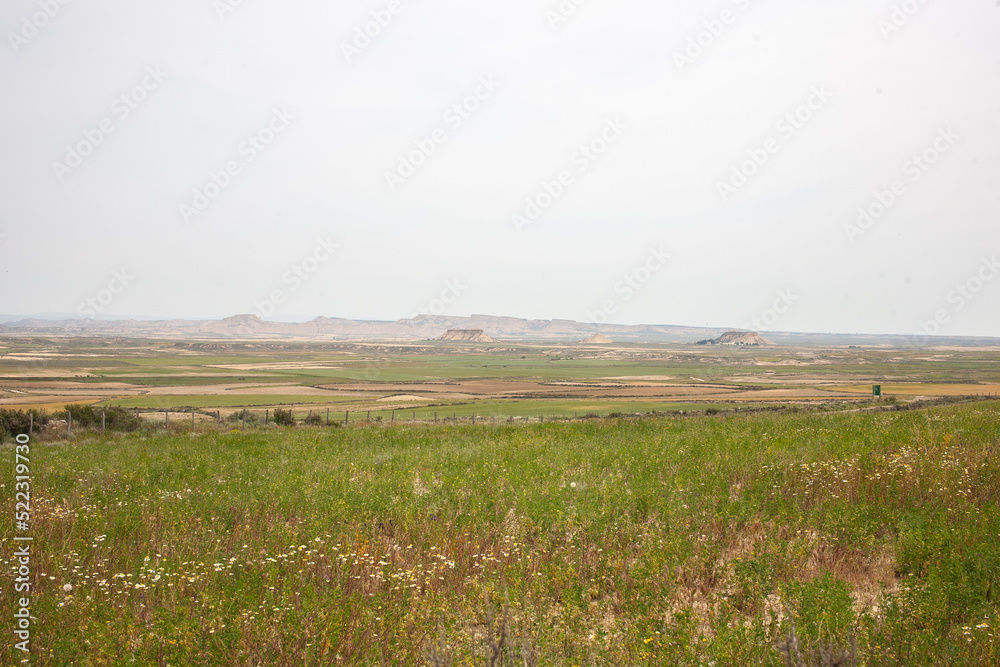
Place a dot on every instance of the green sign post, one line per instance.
(876, 391)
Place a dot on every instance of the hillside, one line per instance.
(750, 338)
(421, 327)
(467, 335)
(425, 327)
(710, 537)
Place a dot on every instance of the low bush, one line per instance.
(252, 418)
(284, 417)
(15, 422)
(89, 416)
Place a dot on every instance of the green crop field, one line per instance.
(548, 378)
(734, 539)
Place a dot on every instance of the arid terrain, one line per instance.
(498, 379)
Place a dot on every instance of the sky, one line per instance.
(774, 165)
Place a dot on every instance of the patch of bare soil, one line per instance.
(401, 398)
(280, 366)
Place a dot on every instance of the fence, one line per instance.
(187, 420)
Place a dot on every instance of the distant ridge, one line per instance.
(427, 327)
(596, 339)
(421, 327)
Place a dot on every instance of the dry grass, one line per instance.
(757, 539)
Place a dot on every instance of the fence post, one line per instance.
(102, 422)
(368, 417)
(267, 416)
(347, 417)
(218, 418)
(166, 419)
(69, 423)
(473, 418)
(328, 417)
(31, 424)
(244, 419)
(192, 421)
(435, 417)
(414, 416)
(393, 415)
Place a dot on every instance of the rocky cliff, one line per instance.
(467, 335)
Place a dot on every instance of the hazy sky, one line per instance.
(634, 161)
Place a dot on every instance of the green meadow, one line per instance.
(768, 538)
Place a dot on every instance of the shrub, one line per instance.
(15, 422)
(253, 418)
(314, 419)
(284, 417)
(115, 418)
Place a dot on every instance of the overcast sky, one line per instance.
(634, 161)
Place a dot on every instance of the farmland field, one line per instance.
(556, 505)
(660, 541)
(497, 381)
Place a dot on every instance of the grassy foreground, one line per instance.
(665, 541)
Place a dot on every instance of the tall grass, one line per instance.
(606, 542)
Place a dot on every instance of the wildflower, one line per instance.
(68, 588)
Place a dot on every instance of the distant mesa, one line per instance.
(243, 321)
(597, 339)
(737, 338)
(467, 335)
